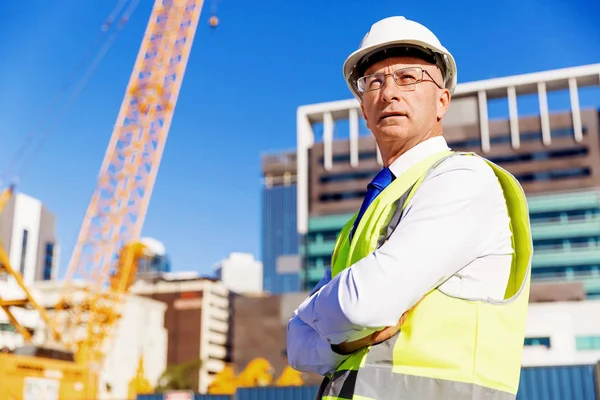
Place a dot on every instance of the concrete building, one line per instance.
(240, 273)
(27, 232)
(196, 319)
(280, 240)
(552, 145)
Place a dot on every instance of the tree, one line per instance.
(182, 376)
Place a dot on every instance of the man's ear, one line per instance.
(443, 103)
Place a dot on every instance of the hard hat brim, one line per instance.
(351, 63)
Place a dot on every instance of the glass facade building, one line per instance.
(318, 246)
(280, 240)
(566, 238)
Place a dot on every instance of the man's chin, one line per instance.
(394, 131)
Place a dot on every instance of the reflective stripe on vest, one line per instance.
(448, 347)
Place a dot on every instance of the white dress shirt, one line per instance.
(454, 231)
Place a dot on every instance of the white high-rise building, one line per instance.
(27, 233)
(241, 273)
(197, 320)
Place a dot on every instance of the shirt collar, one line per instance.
(418, 153)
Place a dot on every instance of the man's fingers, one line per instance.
(405, 315)
(384, 334)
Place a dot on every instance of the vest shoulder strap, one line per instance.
(402, 202)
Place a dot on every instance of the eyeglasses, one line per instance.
(406, 79)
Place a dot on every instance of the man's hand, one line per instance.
(375, 337)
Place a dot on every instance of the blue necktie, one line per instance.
(380, 182)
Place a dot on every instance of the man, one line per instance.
(429, 285)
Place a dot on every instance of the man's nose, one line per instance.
(390, 91)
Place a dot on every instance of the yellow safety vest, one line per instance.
(448, 348)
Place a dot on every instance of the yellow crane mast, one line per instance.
(108, 249)
(117, 210)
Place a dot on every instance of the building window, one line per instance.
(593, 295)
(537, 341)
(48, 261)
(153, 266)
(5, 327)
(23, 251)
(584, 343)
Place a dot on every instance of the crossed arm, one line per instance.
(443, 230)
(307, 351)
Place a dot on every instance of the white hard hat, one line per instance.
(399, 32)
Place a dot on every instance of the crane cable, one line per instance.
(214, 6)
(42, 135)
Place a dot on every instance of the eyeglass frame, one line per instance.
(393, 75)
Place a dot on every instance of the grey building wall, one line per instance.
(259, 330)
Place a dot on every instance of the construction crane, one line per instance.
(108, 249)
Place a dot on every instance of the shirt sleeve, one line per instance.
(307, 351)
(443, 230)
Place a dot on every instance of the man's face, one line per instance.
(394, 114)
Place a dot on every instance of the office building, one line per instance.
(196, 319)
(27, 233)
(240, 273)
(280, 239)
(542, 127)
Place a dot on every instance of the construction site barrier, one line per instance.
(194, 396)
(565, 382)
(277, 393)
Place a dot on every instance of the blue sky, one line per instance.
(243, 84)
